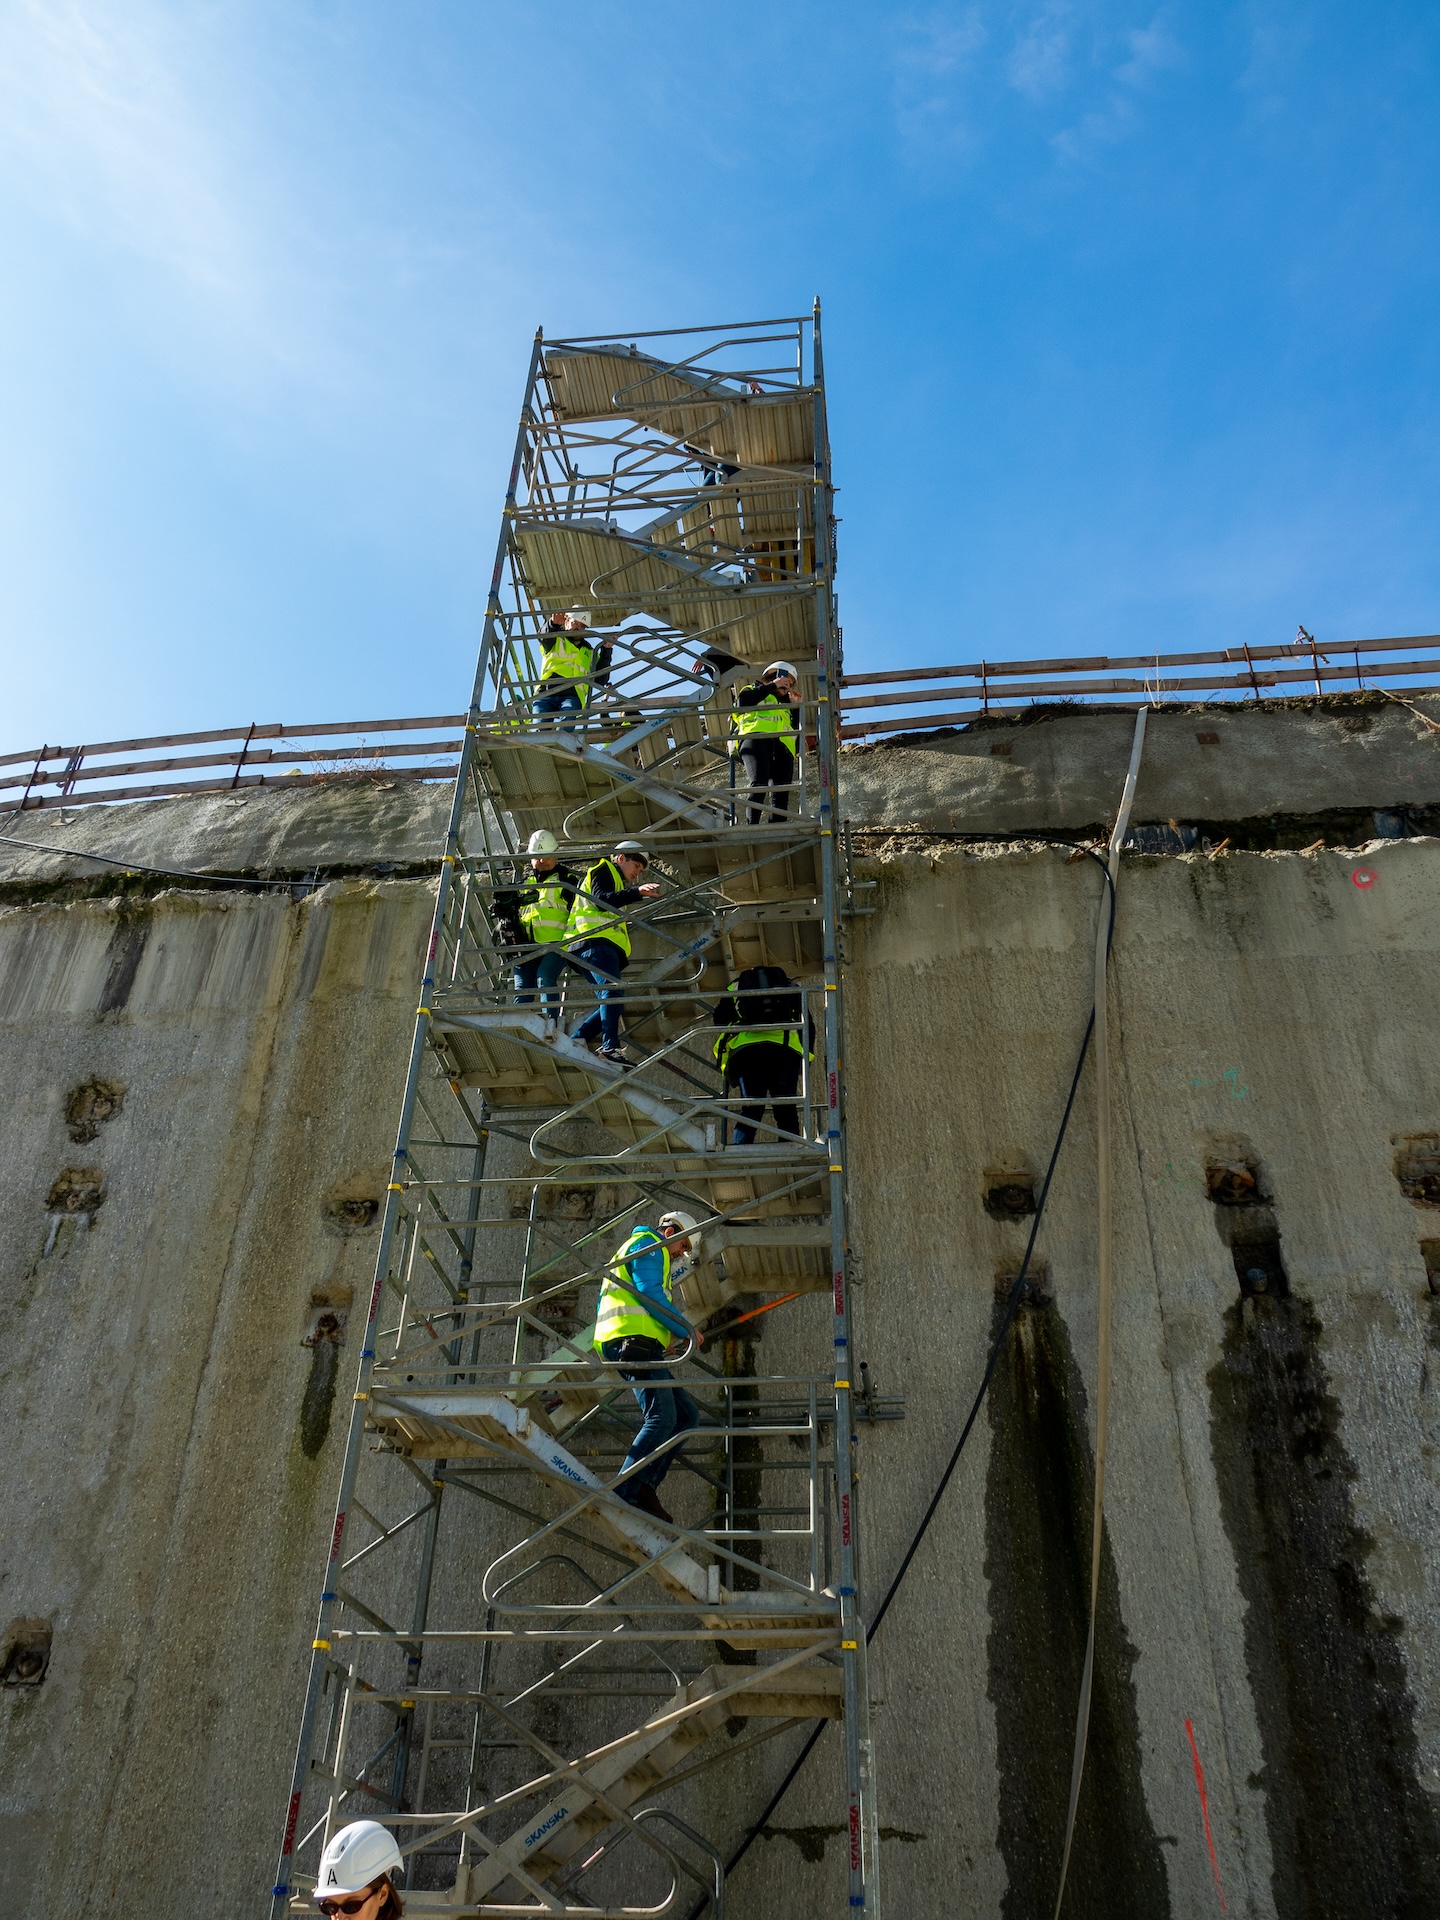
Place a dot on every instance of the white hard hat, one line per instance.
(684, 1223)
(780, 666)
(355, 1858)
(578, 613)
(543, 841)
(632, 846)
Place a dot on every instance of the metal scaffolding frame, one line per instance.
(510, 1662)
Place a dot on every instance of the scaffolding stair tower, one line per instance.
(511, 1663)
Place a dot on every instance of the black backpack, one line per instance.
(758, 1003)
(505, 918)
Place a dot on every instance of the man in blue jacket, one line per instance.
(636, 1325)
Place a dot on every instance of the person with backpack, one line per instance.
(760, 1050)
(766, 727)
(598, 939)
(636, 1325)
(542, 910)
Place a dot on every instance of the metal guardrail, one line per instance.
(277, 755)
(239, 757)
(895, 702)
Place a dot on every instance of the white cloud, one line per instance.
(1039, 62)
(933, 58)
(1152, 50)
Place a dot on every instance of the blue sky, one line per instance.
(1131, 319)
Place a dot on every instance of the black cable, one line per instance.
(996, 1347)
(132, 866)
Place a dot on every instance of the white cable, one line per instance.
(1104, 1264)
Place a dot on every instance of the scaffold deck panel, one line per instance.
(514, 1663)
(774, 428)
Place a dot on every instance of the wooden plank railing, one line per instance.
(895, 702)
(872, 704)
(239, 758)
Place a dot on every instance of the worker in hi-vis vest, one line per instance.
(758, 1049)
(543, 911)
(766, 729)
(569, 660)
(598, 939)
(637, 1324)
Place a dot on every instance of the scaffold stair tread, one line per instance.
(637, 1767)
(617, 574)
(564, 774)
(432, 1423)
(774, 428)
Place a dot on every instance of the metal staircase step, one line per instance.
(635, 1767)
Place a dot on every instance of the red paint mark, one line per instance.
(839, 1295)
(335, 1542)
(1363, 877)
(287, 1845)
(834, 1084)
(854, 1836)
(1205, 1814)
(433, 949)
(845, 1519)
(374, 1302)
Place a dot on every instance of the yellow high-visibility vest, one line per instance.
(771, 715)
(621, 1313)
(591, 921)
(547, 916)
(563, 657)
(727, 1042)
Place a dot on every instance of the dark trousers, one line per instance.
(665, 1411)
(540, 970)
(765, 1073)
(769, 768)
(564, 700)
(604, 962)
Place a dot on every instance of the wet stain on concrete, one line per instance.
(123, 956)
(324, 1341)
(1353, 1835)
(1038, 1496)
(811, 1840)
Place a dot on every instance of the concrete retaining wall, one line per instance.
(166, 1492)
(1270, 1574)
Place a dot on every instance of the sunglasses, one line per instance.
(353, 1905)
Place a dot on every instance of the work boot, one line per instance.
(646, 1500)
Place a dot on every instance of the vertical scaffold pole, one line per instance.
(862, 1822)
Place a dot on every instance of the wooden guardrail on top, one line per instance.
(276, 755)
(1008, 687)
(66, 776)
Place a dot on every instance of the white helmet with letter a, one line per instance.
(684, 1225)
(778, 667)
(543, 841)
(356, 1858)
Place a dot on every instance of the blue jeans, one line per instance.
(539, 970)
(665, 1411)
(566, 701)
(604, 962)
